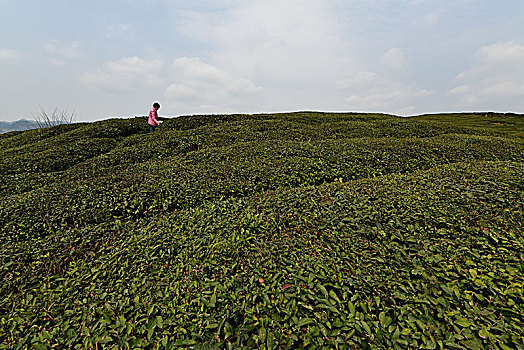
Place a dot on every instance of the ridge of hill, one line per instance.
(18, 125)
(306, 229)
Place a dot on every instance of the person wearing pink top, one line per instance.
(153, 117)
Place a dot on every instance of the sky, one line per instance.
(102, 59)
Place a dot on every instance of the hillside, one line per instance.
(297, 230)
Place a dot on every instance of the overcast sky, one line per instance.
(114, 58)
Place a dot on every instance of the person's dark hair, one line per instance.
(156, 105)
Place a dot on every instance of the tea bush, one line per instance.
(300, 230)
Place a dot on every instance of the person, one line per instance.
(153, 117)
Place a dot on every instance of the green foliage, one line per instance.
(302, 230)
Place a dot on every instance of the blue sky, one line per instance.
(114, 58)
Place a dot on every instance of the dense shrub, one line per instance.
(265, 231)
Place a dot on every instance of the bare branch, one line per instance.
(44, 119)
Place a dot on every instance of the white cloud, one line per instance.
(277, 39)
(504, 88)
(371, 91)
(502, 52)
(393, 58)
(206, 87)
(7, 55)
(294, 49)
(305, 53)
(461, 89)
(466, 94)
(69, 50)
(496, 75)
(117, 31)
(429, 19)
(124, 75)
(358, 81)
(392, 97)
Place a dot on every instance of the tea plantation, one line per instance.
(298, 230)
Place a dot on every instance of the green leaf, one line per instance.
(484, 334)
(462, 322)
(323, 290)
(188, 342)
(384, 320)
(151, 324)
(159, 322)
(351, 308)
(305, 321)
(442, 301)
(212, 301)
(310, 278)
(150, 333)
(262, 333)
(395, 335)
(366, 327)
(270, 341)
(472, 344)
(334, 296)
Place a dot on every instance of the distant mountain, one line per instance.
(19, 125)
